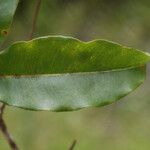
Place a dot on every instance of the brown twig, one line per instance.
(4, 130)
(35, 16)
(72, 145)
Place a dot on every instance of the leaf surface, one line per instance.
(69, 91)
(62, 73)
(58, 54)
(7, 10)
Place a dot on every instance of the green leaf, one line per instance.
(57, 54)
(7, 10)
(61, 73)
(69, 91)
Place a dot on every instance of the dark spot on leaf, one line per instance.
(142, 67)
(84, 56)
(4, 32)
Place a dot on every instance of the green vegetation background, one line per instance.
(124, 125)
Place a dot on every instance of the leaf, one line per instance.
(7, 10)
(69, 91)
(57, 54)
(61, 73)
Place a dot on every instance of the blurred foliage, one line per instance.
(121, 126)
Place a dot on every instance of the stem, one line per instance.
(72, 145)
(4, 130)
(35, 16)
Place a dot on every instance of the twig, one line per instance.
(72, 145)
(4, 130)
(35, 16)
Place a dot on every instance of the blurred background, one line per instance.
(124, 125)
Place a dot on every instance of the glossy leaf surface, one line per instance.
(62, 73)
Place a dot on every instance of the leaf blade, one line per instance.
(69, 79)
(7, 10)
(69, 91)
(57, 54)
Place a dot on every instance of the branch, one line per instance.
(4, 130)
(72, 145)
(35, 16)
